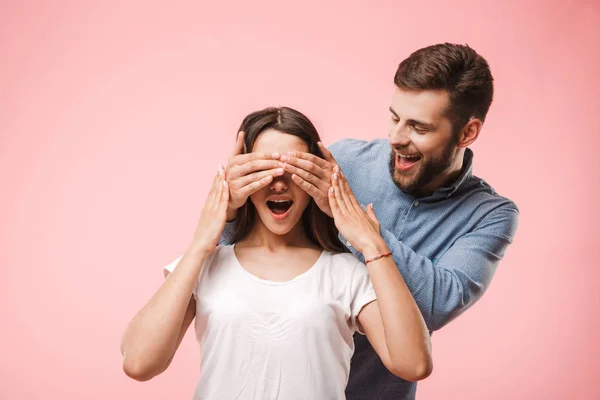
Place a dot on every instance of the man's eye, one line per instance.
(419, 129)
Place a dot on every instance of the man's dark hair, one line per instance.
(459, 70)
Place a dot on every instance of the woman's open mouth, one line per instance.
(280, 209)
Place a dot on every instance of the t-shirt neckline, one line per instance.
(255, 278)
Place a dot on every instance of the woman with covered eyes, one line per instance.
(275, 312)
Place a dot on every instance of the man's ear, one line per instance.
(469, 133)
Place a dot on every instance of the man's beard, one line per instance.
(428, 171)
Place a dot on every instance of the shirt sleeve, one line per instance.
(446, 288)
(171, 266)
(362, 294)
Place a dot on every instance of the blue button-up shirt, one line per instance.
(446, 245)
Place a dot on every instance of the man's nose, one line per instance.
(399, 135)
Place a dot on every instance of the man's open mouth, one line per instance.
(406, 161)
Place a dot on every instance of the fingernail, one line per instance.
(285, 158)
(275, 155)
(335, 176)
(279, 170)
(331, 189)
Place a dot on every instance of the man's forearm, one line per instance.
(442, 291)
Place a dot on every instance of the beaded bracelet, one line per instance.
(377, 257)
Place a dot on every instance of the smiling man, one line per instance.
(447, 229)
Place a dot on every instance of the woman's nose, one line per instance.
(279, 184)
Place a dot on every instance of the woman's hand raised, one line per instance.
(358, 227)
(213, 216)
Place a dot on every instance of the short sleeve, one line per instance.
(171, 266)
(362, 294)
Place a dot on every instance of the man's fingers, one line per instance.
(246, 158)
(250, 167)
(327, 154)
(322, 184)
(309, 188)
(308, 166)
(239, 144)
(255, 186)
(303, 158)
(248, 179)
(321, 196)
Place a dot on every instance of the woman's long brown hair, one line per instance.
(318, 226)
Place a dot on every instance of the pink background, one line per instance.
(113, 118)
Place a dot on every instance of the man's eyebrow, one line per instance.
(414, 121)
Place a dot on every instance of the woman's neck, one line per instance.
(261, 236)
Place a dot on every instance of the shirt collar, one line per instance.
(465, 175)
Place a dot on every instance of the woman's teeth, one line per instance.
(279, 206)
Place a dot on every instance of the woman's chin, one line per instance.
(277, 225)
(280, 228)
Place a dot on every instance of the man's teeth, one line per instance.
(409, 157)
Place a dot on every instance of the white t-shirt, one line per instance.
(268, 340)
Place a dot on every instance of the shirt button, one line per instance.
(416, 203)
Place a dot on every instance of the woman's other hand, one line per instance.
(358, 227)
(213, 216)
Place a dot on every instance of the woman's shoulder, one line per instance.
(221, 253)
(342, 270)
(347, 260)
